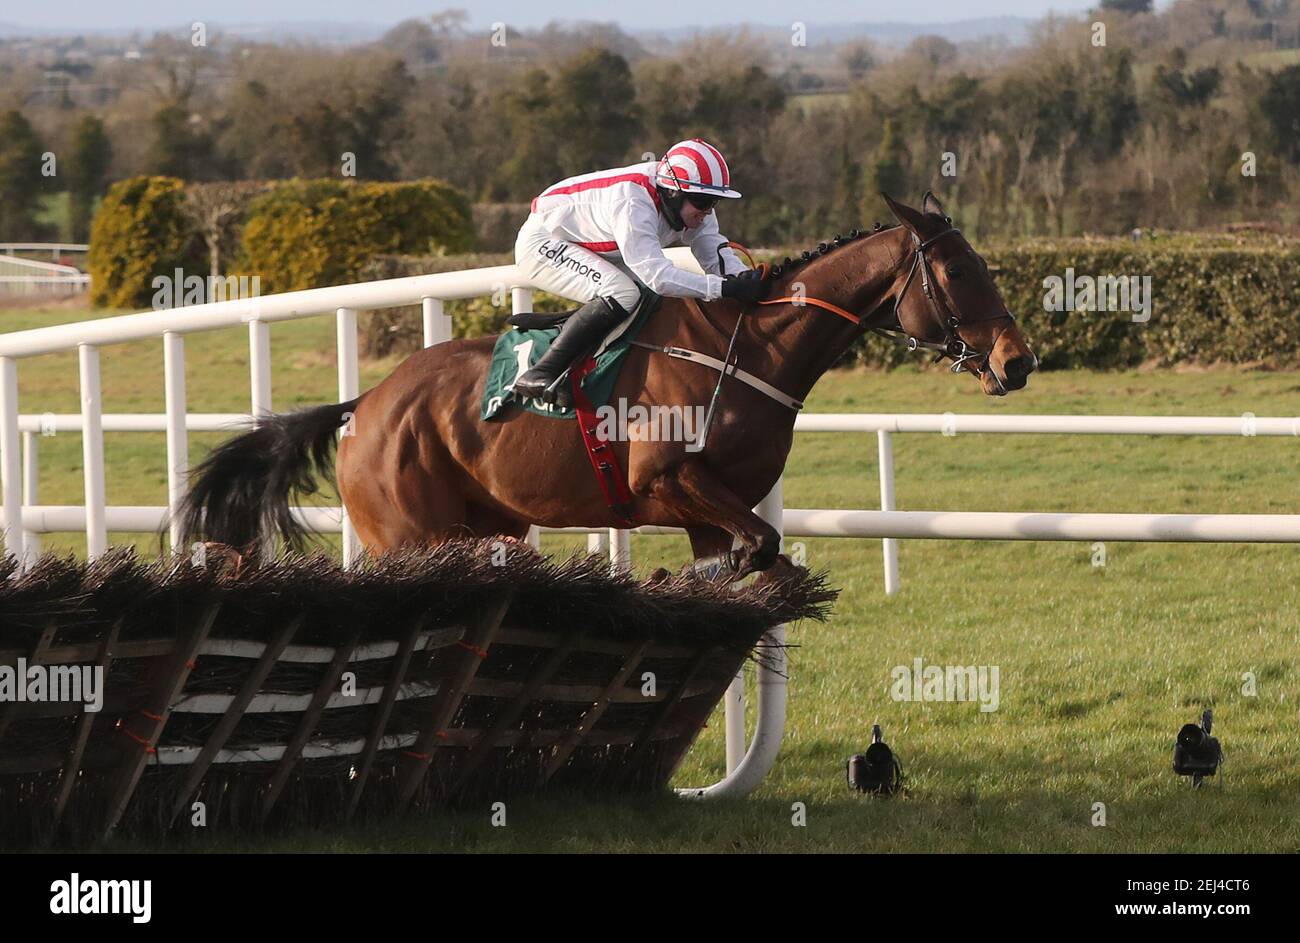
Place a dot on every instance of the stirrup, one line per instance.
(555, 392)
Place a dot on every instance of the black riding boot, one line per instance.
(582, 331)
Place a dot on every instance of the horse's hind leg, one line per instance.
(394, 503)
(486, 522)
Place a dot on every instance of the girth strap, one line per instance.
(713, 363)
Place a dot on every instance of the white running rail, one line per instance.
(29, 277)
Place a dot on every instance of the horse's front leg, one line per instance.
(694, 492)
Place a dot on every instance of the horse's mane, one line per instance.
(823, 248)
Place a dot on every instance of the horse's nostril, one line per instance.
(1020, 367)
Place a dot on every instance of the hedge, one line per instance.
(1214, 300)
(1209, 305)
(300, 234)
(141, 230)
(316, 233)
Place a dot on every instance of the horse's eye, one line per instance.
(954, 271)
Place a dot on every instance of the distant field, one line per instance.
(1099, 666)
(809, 102)
(1273, 59)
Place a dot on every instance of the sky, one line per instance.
(145, 14)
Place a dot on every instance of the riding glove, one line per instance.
(747, 287)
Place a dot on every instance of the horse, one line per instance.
(417, 465)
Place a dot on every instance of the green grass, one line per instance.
(1099, 665)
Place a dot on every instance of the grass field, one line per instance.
(1099, 666)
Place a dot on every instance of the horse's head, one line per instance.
(947, 301)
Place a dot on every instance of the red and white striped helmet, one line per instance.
(695, 166)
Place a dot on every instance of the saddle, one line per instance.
(591, 379)
(539, 320)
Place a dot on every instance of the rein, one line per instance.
(952, 347)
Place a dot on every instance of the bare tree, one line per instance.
(217, 208)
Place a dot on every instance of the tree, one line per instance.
(373, 116)
(523, 119)
(934, 51)
(360, 116)
(885, 174)
(217, 209)
(593, 112)
(256, 135)
(1108, 104)
(413, 41)
(87, 172)
(858, 60)
(178, 149)
(20, 177)
(1180, 87)
(1281, 108)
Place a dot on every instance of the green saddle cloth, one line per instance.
(512, 346)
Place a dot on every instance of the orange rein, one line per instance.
(815, 302)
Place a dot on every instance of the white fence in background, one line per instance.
(30, 277)
(56, 249)
(745, 768)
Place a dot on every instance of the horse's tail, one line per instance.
(240, 493)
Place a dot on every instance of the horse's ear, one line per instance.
(930, 204)
(910, 218)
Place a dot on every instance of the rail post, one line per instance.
(349, 389)
(92, 449)
(620, 550)
(885, 441)
(437, 325)
(259, 367)
(178, 455)
(259, 380)
(31, 483)
(11, 460)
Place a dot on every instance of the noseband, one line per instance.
(953, 346)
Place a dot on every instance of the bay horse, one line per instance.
(419, 466)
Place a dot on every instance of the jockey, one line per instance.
(597, 237)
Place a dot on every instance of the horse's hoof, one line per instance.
(520, 544)
(756, 560)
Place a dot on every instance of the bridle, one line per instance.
(952, 346)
